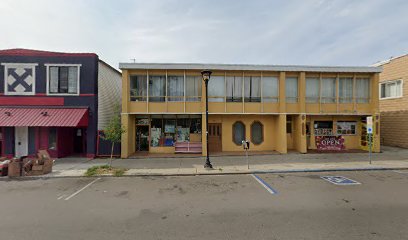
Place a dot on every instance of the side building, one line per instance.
(394, 101)
(49, 100)
(276, 108)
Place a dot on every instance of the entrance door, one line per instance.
(21, 141)
(142, 138)
(214, 137)
(79, 136)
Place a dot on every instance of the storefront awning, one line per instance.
(43, 117)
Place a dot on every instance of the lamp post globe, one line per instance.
(206, 74)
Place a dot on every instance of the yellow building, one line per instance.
(276, 108)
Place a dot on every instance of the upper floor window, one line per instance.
(270, 89)
(345, 90)
(193, 88)
(138, 88)
(63, 79)
(252, 89)
(234, 89)
(216, 89)
(175, 88)
(157, 88)
(362, 90)
(391, 89)
(19, 78)
(291, 89)
(328, 90)
(312, 90)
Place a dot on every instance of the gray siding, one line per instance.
(109, 93)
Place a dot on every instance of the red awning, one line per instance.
(43, 117)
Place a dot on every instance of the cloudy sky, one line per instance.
(309, 32)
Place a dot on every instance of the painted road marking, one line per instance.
(264, 184)
(340, 180)
(400, 172)
(60, 197)
(80, 190)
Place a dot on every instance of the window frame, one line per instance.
(401, 93)
(262, 132)
(48, 65)
(233, 132)
(136, 97)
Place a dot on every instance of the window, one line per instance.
(216, 89)
(234, 89)
(346, 90)
(346, 128)
(328, 90)
(323, 128)
(270, 89)
(256, 133)
(291, 89)
(288, 124)
(362, 90)
(63, 80)
(175, 88)
(193, 88)
(391, 89)
(157, 88)
(252, 89)
(138, 88)
(238, 133)
(312, 90)
(52, 138)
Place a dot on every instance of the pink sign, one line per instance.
(331, 143)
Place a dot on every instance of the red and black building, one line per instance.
(49, 100)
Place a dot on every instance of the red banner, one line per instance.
(331, 143)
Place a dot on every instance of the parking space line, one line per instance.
(63, 195)
(80, 190)
(264, 184)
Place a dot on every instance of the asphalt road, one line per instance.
(303, 206)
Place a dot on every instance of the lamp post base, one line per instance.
(208, 164)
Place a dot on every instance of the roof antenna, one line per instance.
(133, 59)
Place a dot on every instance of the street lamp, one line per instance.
(206, 77)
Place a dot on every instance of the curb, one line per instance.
(210, 172)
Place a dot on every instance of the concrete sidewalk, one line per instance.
(390, 158)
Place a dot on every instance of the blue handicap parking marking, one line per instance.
(340, 180)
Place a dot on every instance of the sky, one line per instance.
(291, 32)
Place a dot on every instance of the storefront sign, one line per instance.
(330, 143)
(323, 131)
(143, 121)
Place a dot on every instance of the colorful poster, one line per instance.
(330, 143)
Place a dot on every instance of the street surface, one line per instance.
(263, 206)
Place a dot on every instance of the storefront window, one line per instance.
(52, 138)
(257, 133)
(166, 130)
(238, 132)
(323, 128)
(346, 128)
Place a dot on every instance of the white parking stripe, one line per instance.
(264, 184)
(63, 195)
(80, 190)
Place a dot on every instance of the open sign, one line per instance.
(330, 143)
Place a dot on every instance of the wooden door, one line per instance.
(215, 137)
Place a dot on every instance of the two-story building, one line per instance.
(276, 108)
(50, 100)
(394, 101)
